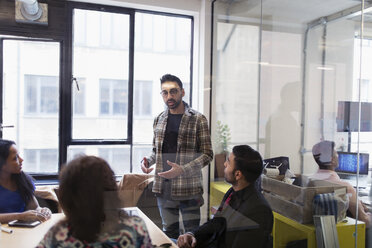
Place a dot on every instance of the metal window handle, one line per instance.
(6, 126)
(77, 84)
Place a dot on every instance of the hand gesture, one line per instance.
(45, 212)
(175, 171)
(145, 166)
(32, 215)
(186, 241)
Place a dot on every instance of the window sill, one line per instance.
(42, 182)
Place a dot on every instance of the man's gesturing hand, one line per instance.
(175, 171)
(145, 166)
(186, 241)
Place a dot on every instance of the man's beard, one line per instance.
(175, 105)
(232, 180)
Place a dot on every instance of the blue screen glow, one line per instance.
(348, 162)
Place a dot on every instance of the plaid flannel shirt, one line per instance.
(194, 151)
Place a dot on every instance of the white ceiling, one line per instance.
(289, 14)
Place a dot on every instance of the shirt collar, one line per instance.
(245, 192)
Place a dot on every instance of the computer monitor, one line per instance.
(347, 118)
(282, 163)
(348, 163)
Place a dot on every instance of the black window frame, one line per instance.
(27, 37)
(69, 141)
(60, 29)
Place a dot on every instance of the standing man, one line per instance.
(244, 218)
(181, 148)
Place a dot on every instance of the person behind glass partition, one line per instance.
(326, 157)
(89, 198)
(244, 218)
(17, 199)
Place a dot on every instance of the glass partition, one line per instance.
(287, 75)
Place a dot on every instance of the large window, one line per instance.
(144, 32)
(41, 94)
(37, 160)
(118, 158)
(79, 98)
(113, 111)
(104, 102)
(113, 31)
(158, 50)
(103, 61)
(142, 98)
(30, 110)
(113, 97)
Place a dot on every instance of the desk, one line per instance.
(286, 230)
(27, 237)
(30, 237)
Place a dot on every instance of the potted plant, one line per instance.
(221, 148)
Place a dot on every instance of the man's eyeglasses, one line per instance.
(173, 92)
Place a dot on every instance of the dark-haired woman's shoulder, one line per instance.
(131, 232)
(56, 235)
(135, 227)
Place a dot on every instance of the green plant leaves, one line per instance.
(223, 137)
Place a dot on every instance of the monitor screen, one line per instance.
(348, 162)
(282, 163)
(347, 118)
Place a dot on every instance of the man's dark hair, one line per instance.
(171, 78)
(248, 161)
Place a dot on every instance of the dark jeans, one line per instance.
(170, 210)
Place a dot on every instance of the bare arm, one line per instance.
(363, 215)
(33, 212)
(5, 218)
(32, 204)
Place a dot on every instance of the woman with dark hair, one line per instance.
(17, 200)
(89, 198)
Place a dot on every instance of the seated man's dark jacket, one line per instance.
(232, 225)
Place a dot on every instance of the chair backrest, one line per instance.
(47, 197)
(131, 187)
(325, 204)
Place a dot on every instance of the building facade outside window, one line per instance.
(142, 98)
(113, 97)
(41, 94)
(40, 160)
(111, 101)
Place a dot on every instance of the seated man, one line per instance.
(244, 217)
(326, 157)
